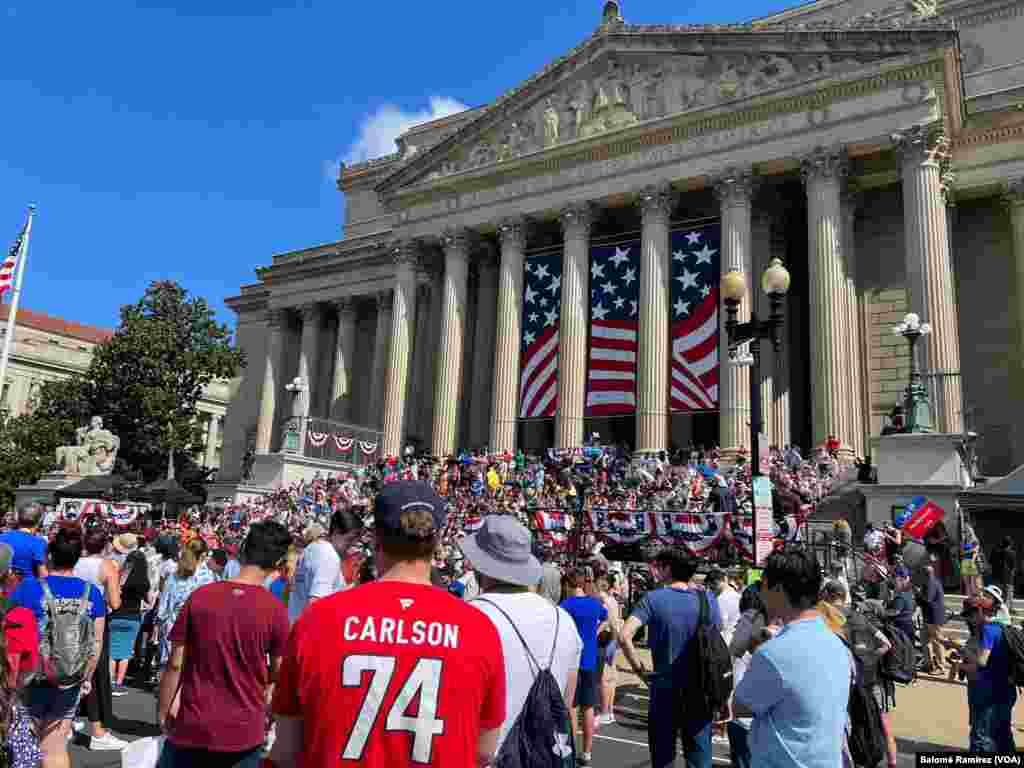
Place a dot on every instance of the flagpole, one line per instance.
(12, 316)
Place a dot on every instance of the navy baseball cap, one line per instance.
(408, 495)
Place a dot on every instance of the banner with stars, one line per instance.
(694, 297)
(614, 327)
(542, 297)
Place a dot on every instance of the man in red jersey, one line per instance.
(395, 673)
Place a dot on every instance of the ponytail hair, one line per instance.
(191, 554)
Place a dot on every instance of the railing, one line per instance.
(332, 441)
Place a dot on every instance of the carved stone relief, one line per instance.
(619, 95)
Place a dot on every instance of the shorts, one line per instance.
(123, 631)
(48, 702)
(586, 689)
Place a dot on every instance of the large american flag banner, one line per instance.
(542, 296)
(694, 312)
(614, 324)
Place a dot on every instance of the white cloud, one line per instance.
(378, 131)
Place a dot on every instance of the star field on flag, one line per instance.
(542, 298)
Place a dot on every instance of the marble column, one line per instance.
(448, 391)
(430, 362)
(781, 434)
(1014, 199)
(572, 330)
(340, 405)
(212, 435)
(855, 340)
(483, 347)
(512, 236)
(403, 319)
(309, 353)
(923, 150)
(760, 246)
(422, 348)
(653, 349)
(271, 380)
(734, 190)
(823, 172)
(381, 342)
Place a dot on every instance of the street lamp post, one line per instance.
(919, 417)
(775, 283)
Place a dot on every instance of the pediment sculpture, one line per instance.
(94, 451)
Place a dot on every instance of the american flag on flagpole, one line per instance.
(542, 297)
(614, 325)
(7, 268)
(694, 295)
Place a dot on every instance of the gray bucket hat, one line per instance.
(502, 550)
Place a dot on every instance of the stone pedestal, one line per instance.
(44, 491)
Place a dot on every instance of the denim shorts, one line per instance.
(47, 702)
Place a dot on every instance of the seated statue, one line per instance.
(94, 452)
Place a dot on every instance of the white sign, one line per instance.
(763, 528)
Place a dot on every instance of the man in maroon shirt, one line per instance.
(219, 650)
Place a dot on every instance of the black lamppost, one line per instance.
(775, 283)
(918, 418)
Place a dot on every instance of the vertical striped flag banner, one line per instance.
(11, 273)
(14, 256)
(542, 297)
(694, 295)
(614, 325)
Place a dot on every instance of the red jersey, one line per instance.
(391, 674)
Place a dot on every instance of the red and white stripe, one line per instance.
(695, 358)
(7, 270)
(611, 381)
(538, 382)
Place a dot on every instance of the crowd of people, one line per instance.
(485, 637)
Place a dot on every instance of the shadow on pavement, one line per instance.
(910, 746)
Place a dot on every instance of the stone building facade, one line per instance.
(877, 148)
(48, 348)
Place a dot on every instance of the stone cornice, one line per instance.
(988, 13)
(1010, 130)
(678, 39)
(682, 128)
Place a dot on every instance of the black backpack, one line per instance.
(1014, 638)
(541, 736)
(867, 734)
(702, 674)
(900, 664)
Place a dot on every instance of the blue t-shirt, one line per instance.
(277, 587)
(29, 551)
(588, 614)
(670, 615)
(797, 685)
(67, 591)
(994, 677)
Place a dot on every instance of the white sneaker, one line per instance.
(107, 742)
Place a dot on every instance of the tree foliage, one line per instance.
(146, 382)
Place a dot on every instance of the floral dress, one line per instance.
(175, 593)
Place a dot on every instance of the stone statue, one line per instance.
(550, 124)
(94, 452)
(924, 9)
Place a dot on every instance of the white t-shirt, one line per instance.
(534, 617)
(318, 574)
(729, 607)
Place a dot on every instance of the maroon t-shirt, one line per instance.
(228, 630)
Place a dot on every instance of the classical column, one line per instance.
(512, 234)
(1014, 198)
(760, 247)
(653, 348)
(309, 354)
(855, 340)
(381, 342)
(572, 329)
(923, 150)
(212, 435)
(271, 380)
(340, 404)
(430, 361)
(422, 347)
(483, 354)
(780, 370)
(448, 392)
(403, 318)
(734, 190)
(823, 172)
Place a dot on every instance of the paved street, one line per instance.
(930, 716)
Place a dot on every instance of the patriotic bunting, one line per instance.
(542, 296)
(343, 444)
(316, 439)
(367, 448)
(696, 532)
(694, 297)
(614, 324)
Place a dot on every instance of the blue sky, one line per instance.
(194, 140)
